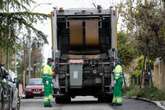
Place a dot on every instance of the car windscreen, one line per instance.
(35, 82)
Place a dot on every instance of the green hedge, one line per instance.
(149, 93)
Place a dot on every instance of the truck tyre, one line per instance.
(105, 98)
(58, 99)
(101, 99)
(63, 99)
(109, 98)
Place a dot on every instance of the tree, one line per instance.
(126, 50)
(16, 20)
(146, 25)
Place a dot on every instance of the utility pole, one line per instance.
(24, 61)
(29, 55)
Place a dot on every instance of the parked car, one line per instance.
(6, 92)
(34, 88)
(9, 99)
(15, 91)
(1, 88)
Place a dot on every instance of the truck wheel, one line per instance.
(100, 99)
(105, 98)
(63, 99)
(109, 98)
(58, 100)
(68, 99)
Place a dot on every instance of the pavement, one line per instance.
(160, 104)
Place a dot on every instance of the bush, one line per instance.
(149, 93)
(132, 91)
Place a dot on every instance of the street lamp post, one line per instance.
(29, 54)
(31, 40)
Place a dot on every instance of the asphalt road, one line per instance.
(88, 103)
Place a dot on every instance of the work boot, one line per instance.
(47, 104)
(119, 101)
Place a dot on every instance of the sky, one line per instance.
(66, 4)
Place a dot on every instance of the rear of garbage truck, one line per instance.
(84, 49)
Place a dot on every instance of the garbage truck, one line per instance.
(84, 47)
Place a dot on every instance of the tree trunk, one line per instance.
(0, 56)
(142, 73)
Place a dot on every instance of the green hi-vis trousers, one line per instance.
(117, 93)
(48, 89)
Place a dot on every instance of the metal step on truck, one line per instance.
(84, 49)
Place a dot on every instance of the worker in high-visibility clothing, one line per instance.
(118, 82)
(47, 77)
